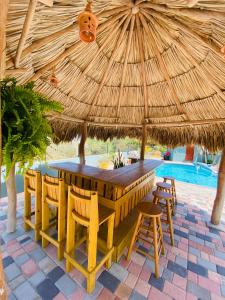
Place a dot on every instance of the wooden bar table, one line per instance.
(120, 189)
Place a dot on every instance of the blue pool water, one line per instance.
(188, 173)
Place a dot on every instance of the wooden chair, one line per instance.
(53, 194)
(171, 180)
(168, 188)
(151, 233)
(32, 187)
(83, 209)
(165, 200)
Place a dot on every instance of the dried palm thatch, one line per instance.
(154, 62)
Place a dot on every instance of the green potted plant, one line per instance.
(25, 133)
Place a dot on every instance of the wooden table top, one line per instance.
(122, 177)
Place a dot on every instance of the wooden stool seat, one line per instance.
(164, 185)
(153, 232)
(32, 187)
(83, 209)
(159, 198)
(149, 209)
(53, 194)
(172, 182)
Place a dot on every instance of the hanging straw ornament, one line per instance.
(53, 79)
(88, 24)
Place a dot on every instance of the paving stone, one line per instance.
(25, 292)
(176, 268)
(37, 254)
(191, 218)
(203, 237)
(21, 259)
(8, 260)
(55, 274)
(181, 233)
(136, 296)
(47, 289)
(16, 282)
(25, 240)
(181, 261)
(207, 264)
(118, 272)
(220, 270)
(66, 285)
(12, 297)
(199, 292)
(214, 230)
(220, 254)
(109, 281)
(196, 240)
(37, 278)
(156, 282)
(223, 290)
(12, 271)
(198, 269)
(168, 275)
(195, 251)
(46, 265)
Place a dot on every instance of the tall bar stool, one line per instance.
(165, 200)
(152, 213)
(32, 187)
(166, 187)
(171, 180)
(53, 194)
(83, 209)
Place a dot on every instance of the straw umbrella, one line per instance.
(155, 69)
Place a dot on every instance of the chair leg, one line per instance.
(134, 236)
(70, 238)
(27, 209)
(156, 254)
(37, 217)
(92, 255)
(161, 235)
(91, 282)
(45, 222)
(169, 219)
(61, 230)
(110, 239)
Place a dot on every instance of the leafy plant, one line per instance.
(26, 132)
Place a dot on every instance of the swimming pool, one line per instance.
(188, 173)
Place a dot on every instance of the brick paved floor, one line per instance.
(193, 269)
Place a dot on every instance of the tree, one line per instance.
(26, 133)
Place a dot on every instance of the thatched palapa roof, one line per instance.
(154, 62)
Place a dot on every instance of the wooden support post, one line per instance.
(82, 144)
(144, 139)
(220, 195)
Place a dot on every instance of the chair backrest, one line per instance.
(32, 180)
(52, 188)
(84, 205)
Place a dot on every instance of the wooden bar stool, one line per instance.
(152, 213)
(165, 200)
(83, 209)
(32, 187)
(53, 194)
(166, 187)
(172, 182)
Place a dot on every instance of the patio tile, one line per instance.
(12, 271)
(220, 270)
(19, 260)
(104, 295)
(123, 291)
(181, 261)
(118, 272)
(37, 254)
(60, 296)
(181, 233)
(66, 285)
(157, 282)
(155, 294)
(29, 268)
(198, 269)
(176, 268)
(37, 278)
(207, 264)
(16, 282)
(109, 281)
(168, 275)
(25, 292)
(47, 289)
(55, 274)
(25, 240)
(131, 280)
(12, 296)
(7, 261)
(46, 265)
(209, 284)
(142, 287)
(174, 291)
(198, 291)
(136, 296)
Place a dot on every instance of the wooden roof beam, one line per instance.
(63, 117)
(125, 64)
(89, 66)
(143, 69)
(109, 65)
(3, 20)
(202, 72)
(162, 65)
(12, 72)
